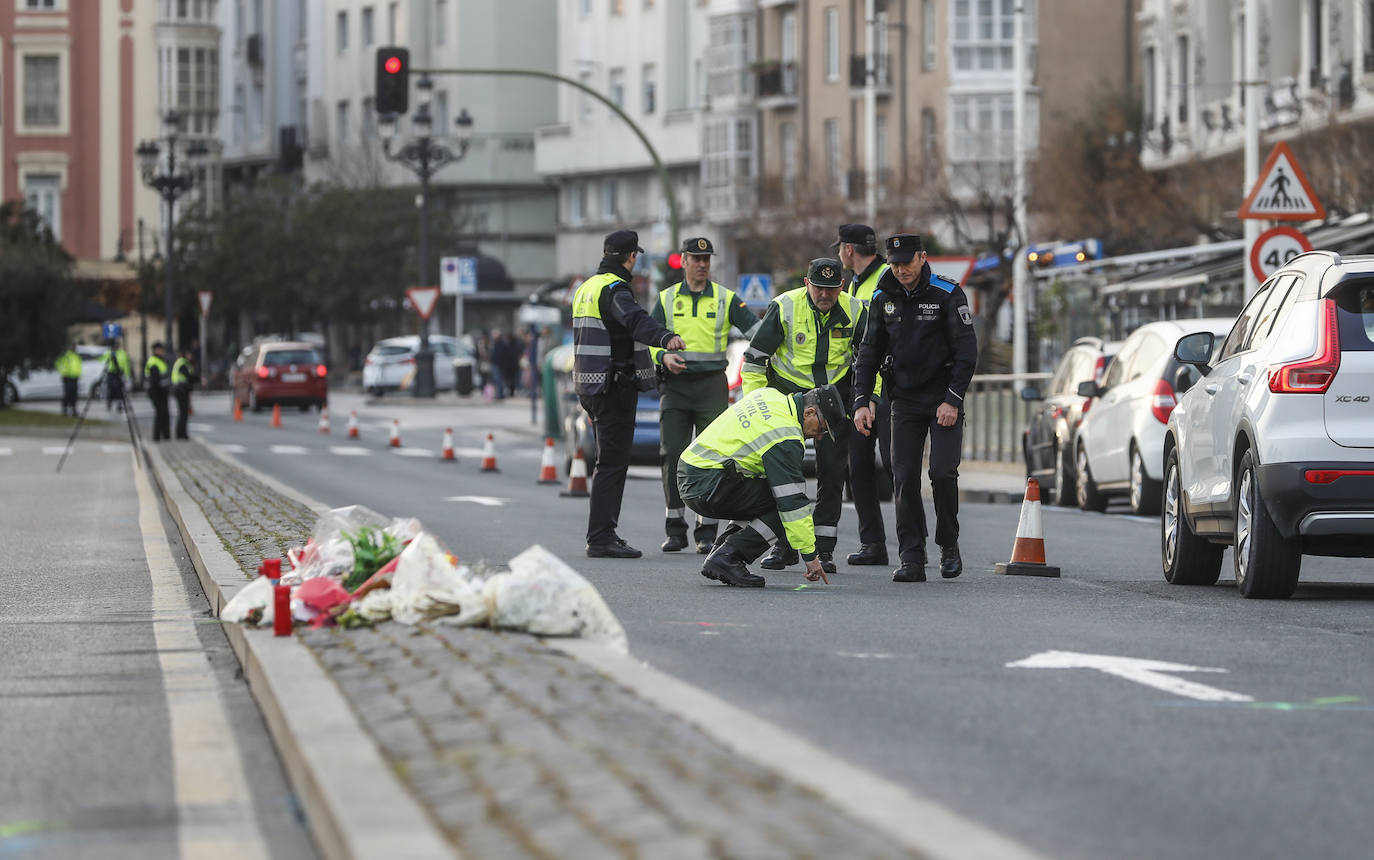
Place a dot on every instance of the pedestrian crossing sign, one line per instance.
(1282, 192)
(756, 290)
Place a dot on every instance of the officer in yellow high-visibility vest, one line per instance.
(117, 372)
(184, 376)
(807, 339)
(747, 467)
(155, 377)
(69, 368)
(702, 312)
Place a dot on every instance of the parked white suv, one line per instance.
(1272, 451)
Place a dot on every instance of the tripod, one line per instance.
(135, 437)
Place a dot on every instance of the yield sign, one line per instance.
(423, 299)
(204, 296)
(956, 269)
(1282, 192)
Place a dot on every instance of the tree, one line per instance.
(37, 294)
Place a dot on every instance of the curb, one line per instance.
(355, 805)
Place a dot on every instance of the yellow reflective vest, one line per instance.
(799, 348)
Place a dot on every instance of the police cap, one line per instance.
(860, 235)
(621, 242)
(826, 400)
(824, 272)
(698, 246)
(903, 247)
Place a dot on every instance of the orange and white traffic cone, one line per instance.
(447, 448)
(548, 467)
(577, 478)
(395, 434)
(324, 419)
(489, 456)
(238, 408)
(276, 414)
(1028, 553)
(353, 425)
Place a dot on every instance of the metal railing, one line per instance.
(995, 415)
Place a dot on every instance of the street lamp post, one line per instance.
(424, 156)
(158, 160)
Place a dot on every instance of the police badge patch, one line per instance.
(965, 315)
(801, 337)
(889, 308)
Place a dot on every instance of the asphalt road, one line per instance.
(1255, 742)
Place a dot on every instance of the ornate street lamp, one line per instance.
(161, 172)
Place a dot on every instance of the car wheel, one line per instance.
(253, 402)
(1145, 491)
(1267, 564)
(1188, 559)
(1089, 498)
(11, 394)
(1065, 490)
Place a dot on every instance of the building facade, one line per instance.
(262, 88)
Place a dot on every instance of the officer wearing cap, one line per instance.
(806, 340)
(701, 312)
(858, 249)
(747, 467)
(922, 323)
(610, 368)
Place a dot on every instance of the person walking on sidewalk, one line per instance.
(747, 467)
(858, 248)
(609, 371)
(806, 340)
(68, 367)
(695, 391)
(922, 323)
(155, 375)
(184, 377)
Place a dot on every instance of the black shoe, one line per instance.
(951, 565)
(828, 562)
(674, 543)
(910, 573)
(616, 549)
(705, 545)
(724, 566)
(779, 557)
(869, 553)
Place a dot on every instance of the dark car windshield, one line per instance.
(1355, 316)
(279, 357)
(393, 350)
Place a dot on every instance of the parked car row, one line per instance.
(45, 383)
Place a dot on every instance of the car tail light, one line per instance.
(1314, 375)
(1163, 401)
(409, 360)
(1098, 368)
(1327, 476)
(367, 360)
(321, 371)
(264, 372)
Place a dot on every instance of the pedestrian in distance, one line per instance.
(692, 385)
(68, 367)
(117, 375)
(858, 249)
(806, 340)
(184, 378)
(155, 375)
(746, 467)
(611, 365)
(921, 324)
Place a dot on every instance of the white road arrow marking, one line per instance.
(487, 501)
(1145, 672)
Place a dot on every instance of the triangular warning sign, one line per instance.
(423, 299)
(1282, 192)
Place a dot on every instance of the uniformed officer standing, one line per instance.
(806, 340)
(609, 371)
(155, 376)
(701, 312)
(747, 467)
(858, 247)
(117, 375)
(69, 368)
(184, 375)
(922, 322)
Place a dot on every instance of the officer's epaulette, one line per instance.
(944, 284)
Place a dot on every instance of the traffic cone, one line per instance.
(238, 409)
(324, 419)
(548, 468)
(353, 425)
(1028, 553)
(447, 452)
(577, 478)
(489, 456)
(276, 414)
(395, 433)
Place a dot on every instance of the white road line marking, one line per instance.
(6, 452)
(348, 451)
(485, 501)
(56, 449)
(863, 655)
(114, 449)
(414, 452)
(289, 449)
(206, 764)
(469, 452)
(1145, 672)
(200, 428)
(231, 448)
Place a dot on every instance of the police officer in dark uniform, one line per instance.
(609, 371)
(920, 323)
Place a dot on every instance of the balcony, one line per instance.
(858, 73)
(777, 85)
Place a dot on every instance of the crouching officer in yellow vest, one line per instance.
(609, 371)
(807, 340)
(746, 467)
(155, 378)
(69, 368)
(701, 312)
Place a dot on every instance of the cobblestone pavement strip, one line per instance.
(519, 750)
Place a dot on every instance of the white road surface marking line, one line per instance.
(232, 448)
(200, 428)
(6, 452)
(349, 451)
(289, 449)
(485, 501)
(114, 449)
(56, 449)
(414, 452)
(206, 764)
(469, 452)
(863, 655)
(1147, 672)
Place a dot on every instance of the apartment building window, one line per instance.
(341, 32)
(341, 122)
(584, 101)
(391, 24)
(42, 6)
(1183, 79)
(1148, 82)
(43, 194)
(832, 44)
(258, 120)
(238, 112)
(650, 75)
(1239, 51)
(927, 35)
(616, 89)
(832, 154)
(984, 32)
(787, 143)
(930, 145)
(982, 126)
(610, 199)
(730, 52)
(617, 7)
(440, 21)
(880, 138)
(369, 118)
(788, 37)
(42, 90)
(365, 37)
(577, 202)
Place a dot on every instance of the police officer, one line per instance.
(155, 376)
(184, 376)
(806, 340)
(858, 248)
(747, 467)
(921, 322)
(609, 371)
(116, 363)
(69, 368)
(701, 312)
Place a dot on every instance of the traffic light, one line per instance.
(674, 262)
(393, 81)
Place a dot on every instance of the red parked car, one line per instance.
(289, 374)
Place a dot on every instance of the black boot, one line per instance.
(780, 557)
(724, 565)
(951, 565)
(827, 562)
(911, 572)
(869, 553)
(706, 540)
(616, 549)
(674, 543)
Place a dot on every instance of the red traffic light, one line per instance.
(675, 261)
(393, 65)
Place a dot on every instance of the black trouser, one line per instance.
(863, 476)
(69, 394)
(745, 500)
(690, 402)
(613, 422)
(162, 420)
(909, 428)
(183, 395)
(832, 464)
(114, 391)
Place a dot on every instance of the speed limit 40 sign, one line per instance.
(1274, 248)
